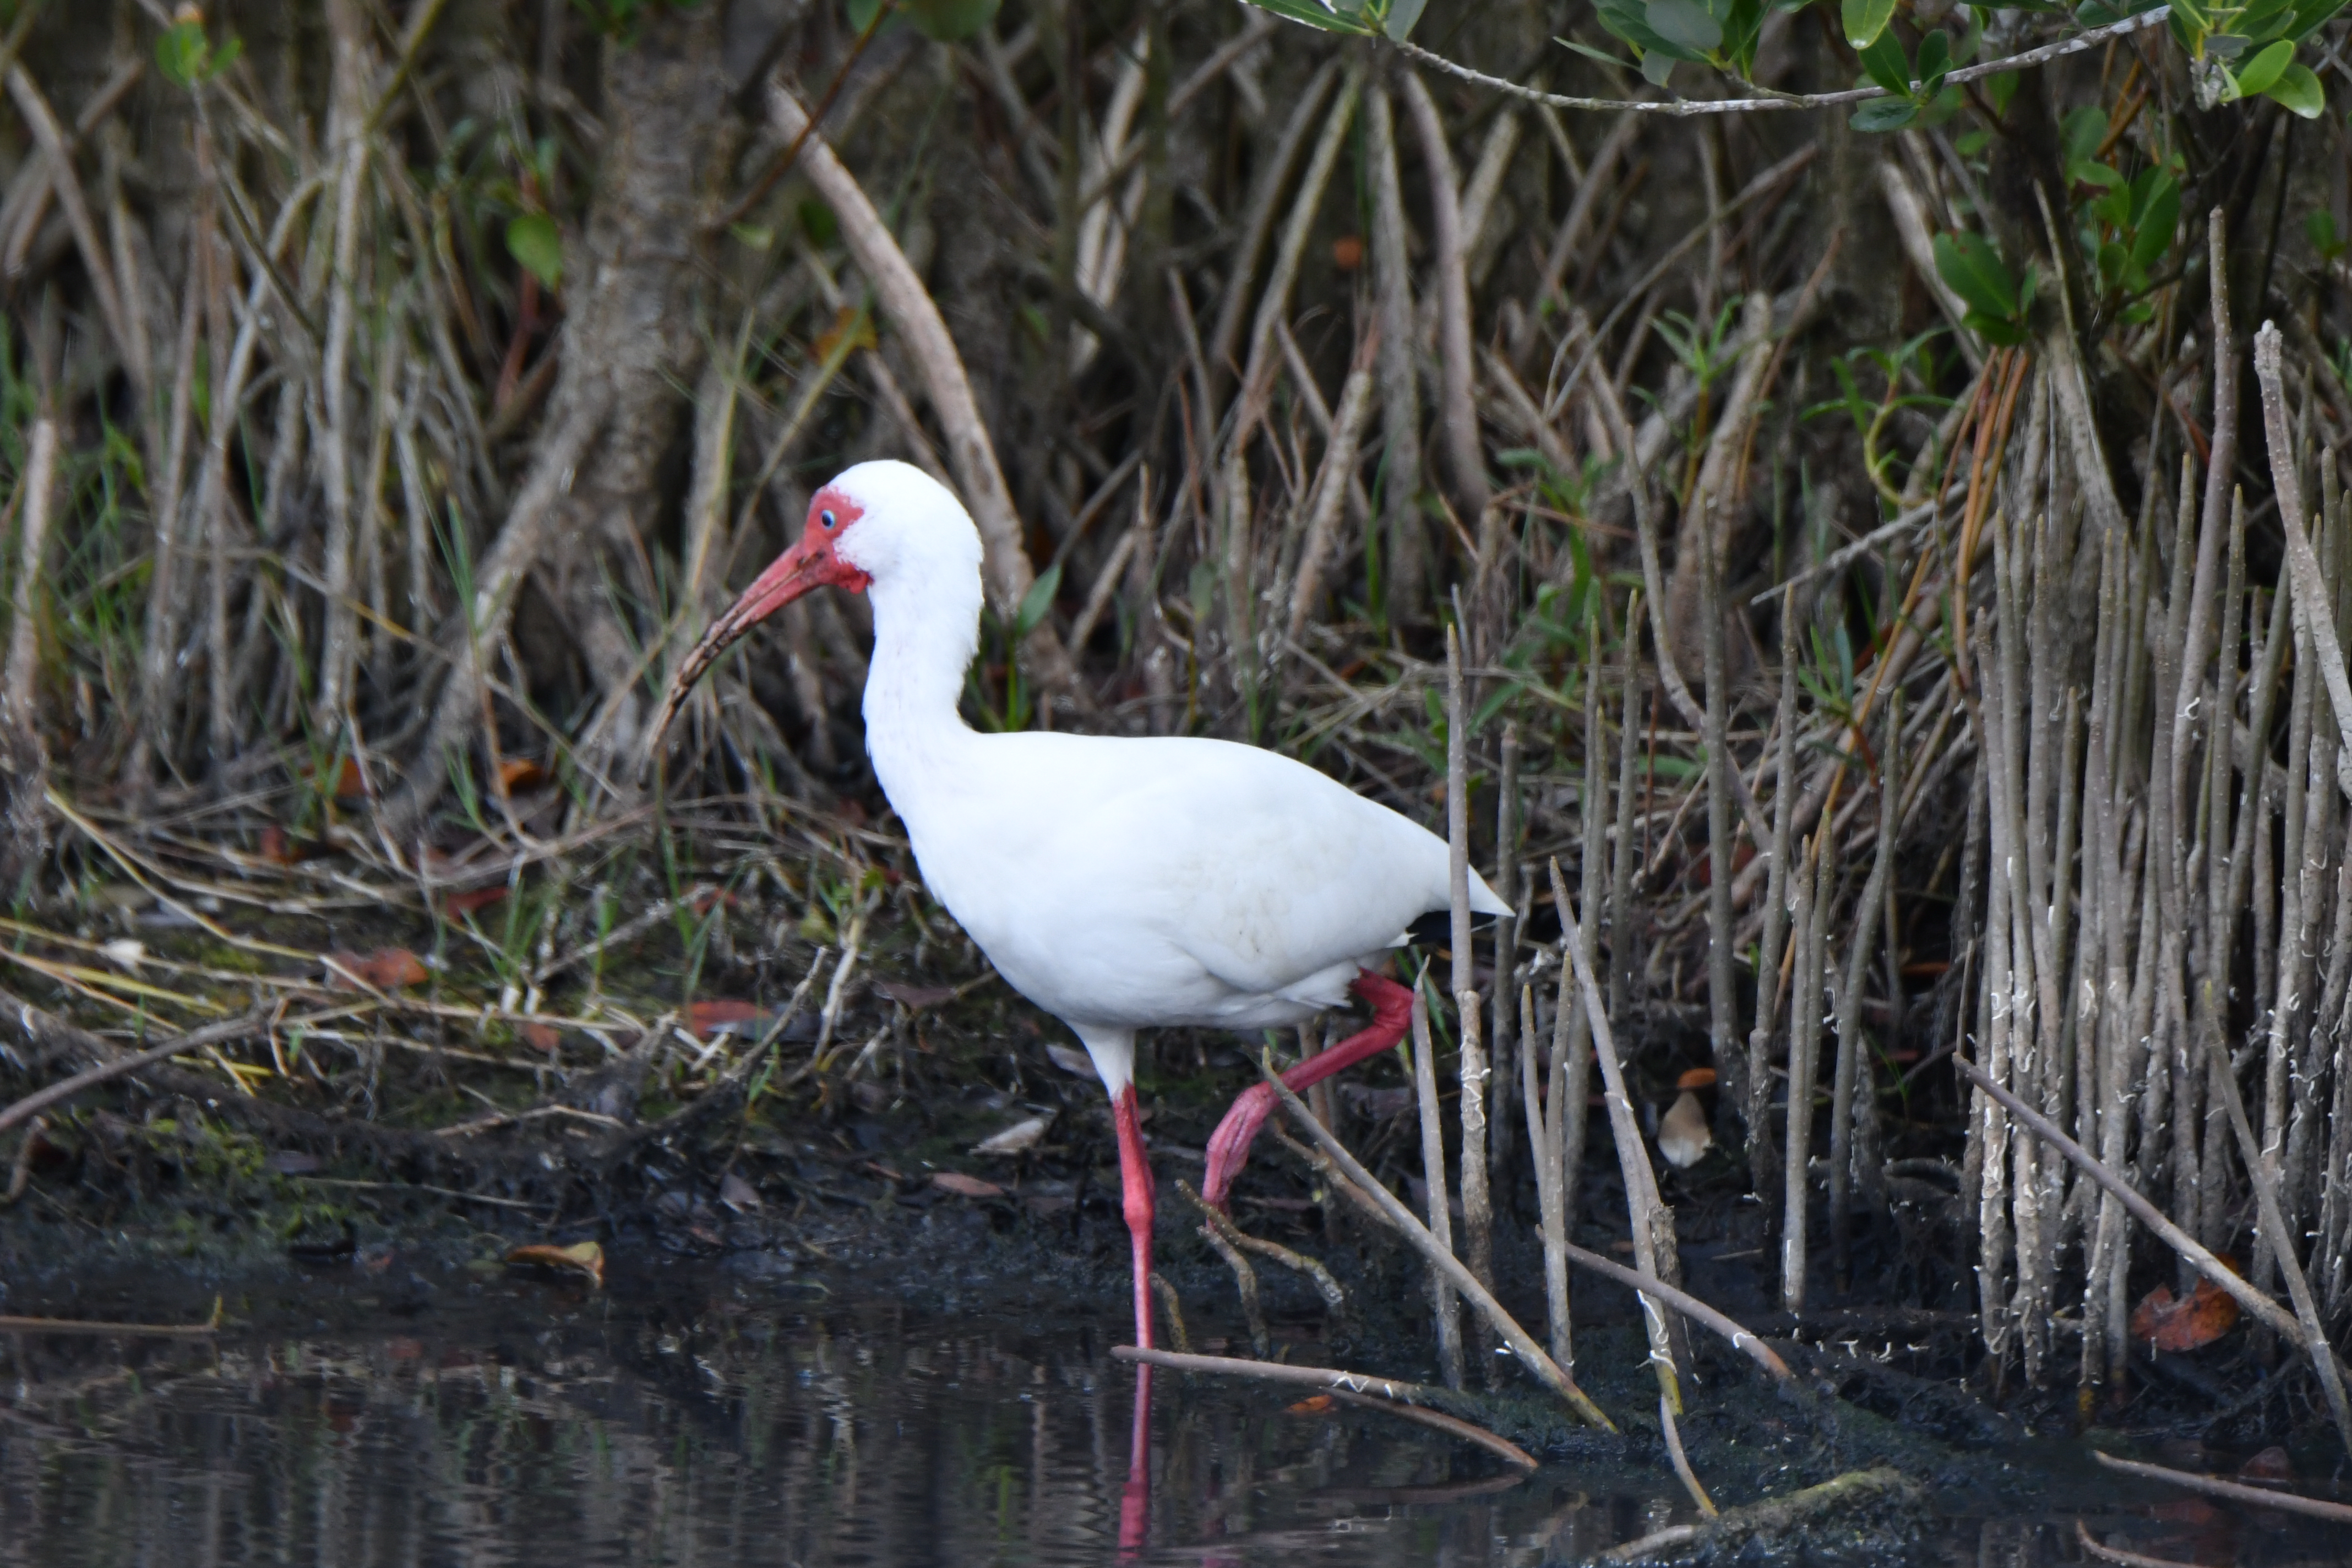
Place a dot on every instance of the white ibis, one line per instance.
(1118, 883)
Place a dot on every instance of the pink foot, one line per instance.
(1229, 1146)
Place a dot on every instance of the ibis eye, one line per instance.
(827, 518)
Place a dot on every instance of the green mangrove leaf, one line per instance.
(1974, 269)
(1865, 20)
(1319, 14)
(1884, 64)
(2299, 90)
(1685, 22)
(2257, 74)
(537, 245)
(1884, 114)
(1403, 14)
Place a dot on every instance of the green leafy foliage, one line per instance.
(1362, 18)
(536, 245)
(1037, 601)
(1914, 85)
(1865, 20)
(1974, 271)
(1718, 33)
(188, 57)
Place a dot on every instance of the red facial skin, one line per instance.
(813, 562)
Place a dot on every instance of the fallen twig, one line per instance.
(122, 1066)
(1547, 1370)
(2213, 1486)
(1415, 1399)
(2116, 1554)
(137, 1330)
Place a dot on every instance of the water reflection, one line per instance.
(590, 1435)
(571, 1431)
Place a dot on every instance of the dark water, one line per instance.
(554, 1429)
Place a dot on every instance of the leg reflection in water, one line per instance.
(1135, 1498)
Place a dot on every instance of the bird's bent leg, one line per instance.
(1135, 1191)
(1229, 1145)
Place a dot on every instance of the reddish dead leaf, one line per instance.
(2188, 1510)
(2271, 1465)
(852, 329)
(704, 1019)
(907, 995)
(522, 774)
(1697, 1077)
(1313, 1404)
(351, 779)
(700, 902)
(584, 1258)
(386, 969)
(277, 849)
(540, 1037)
(965, 1186)
(466, 903)
(1347, 252)
(2209, 1312)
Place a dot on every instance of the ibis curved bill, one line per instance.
(1118, 883)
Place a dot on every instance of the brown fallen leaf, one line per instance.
(1313, 1405)
(2207, 1314)
(2271, 1465)
(540, 1037)
(704, 1019)
(1697, 1077)
(466, 903)
(522, 774)
(582, 1257)
(277, 849)
(350, 780)
(386, 969)
(965, 1186)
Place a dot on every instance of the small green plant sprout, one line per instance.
(1363, 18)
(2128, 224)
(2240, 51)
(1997, 302)
(1916, 359)
(186, 57)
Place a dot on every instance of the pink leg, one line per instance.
(1229, 1145)
(1135, 1498)
(1135, 1191)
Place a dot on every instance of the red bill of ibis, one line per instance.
(1120, 883)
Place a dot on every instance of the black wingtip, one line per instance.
(1435, 929)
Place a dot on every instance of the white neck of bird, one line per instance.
(926, 630)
